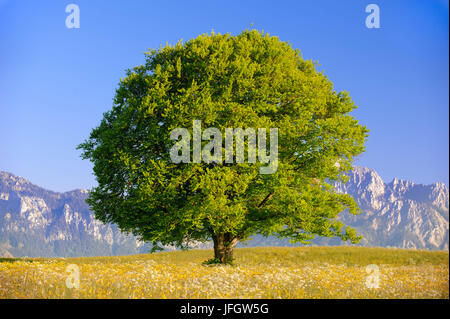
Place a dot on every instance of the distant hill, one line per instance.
(37, 222)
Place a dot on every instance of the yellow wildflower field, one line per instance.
(265, 272)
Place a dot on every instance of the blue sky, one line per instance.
(55, 82)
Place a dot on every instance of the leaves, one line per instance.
(251, 80)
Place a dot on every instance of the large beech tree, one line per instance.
(251, 80)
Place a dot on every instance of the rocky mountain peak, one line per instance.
(37, 222)
(400, 213)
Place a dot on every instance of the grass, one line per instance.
(265, 272)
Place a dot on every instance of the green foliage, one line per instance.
(251, 80)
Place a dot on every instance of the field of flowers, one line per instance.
(307, 272)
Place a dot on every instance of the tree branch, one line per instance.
(269, 196)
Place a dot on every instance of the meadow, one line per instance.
(264, 272)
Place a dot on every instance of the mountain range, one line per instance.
(36, 222)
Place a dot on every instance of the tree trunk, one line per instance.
(223, 247)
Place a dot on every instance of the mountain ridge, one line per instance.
(38, 222)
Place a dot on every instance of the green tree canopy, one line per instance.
(251, 80)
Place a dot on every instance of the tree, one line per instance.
(251, 80)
